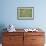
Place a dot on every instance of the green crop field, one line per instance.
(25, 12)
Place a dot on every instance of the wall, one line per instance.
(9, 13)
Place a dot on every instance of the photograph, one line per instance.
(25, 13)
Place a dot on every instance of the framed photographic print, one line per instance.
(25, 13)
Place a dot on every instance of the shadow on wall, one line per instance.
(2, 26)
